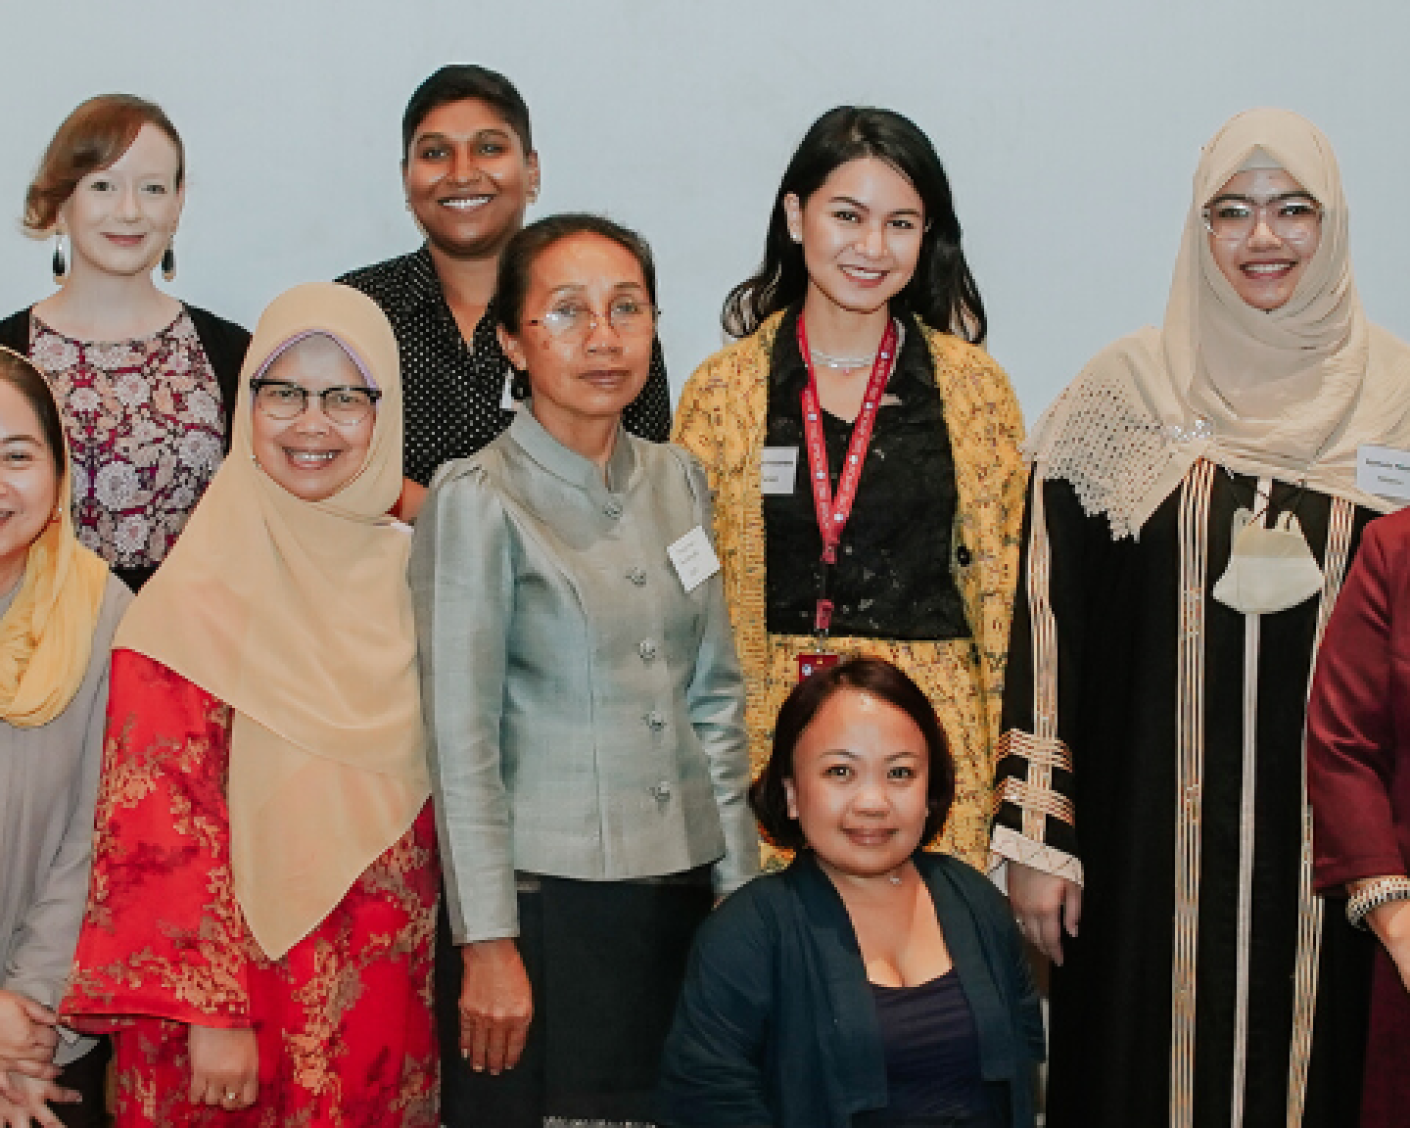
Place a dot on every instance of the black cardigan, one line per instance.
(776, 1026)
(223, 342)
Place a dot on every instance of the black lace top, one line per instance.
(892, 578)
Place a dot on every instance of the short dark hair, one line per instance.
(21, 374)
(93, 137)
(942, 292)
(517, 262)
(465, 82)
(880, 678)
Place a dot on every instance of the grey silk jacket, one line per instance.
(48, 788)
(586, 712)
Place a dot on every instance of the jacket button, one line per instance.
(660, 791)
(655, 721)
(647, 650)
(637, 576)
(613, 508)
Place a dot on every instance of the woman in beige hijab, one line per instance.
(258, 932)
(1196, 500)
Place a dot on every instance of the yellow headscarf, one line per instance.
(298, 616)
(46, 636)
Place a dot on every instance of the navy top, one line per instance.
(776, 1025)
(931, 1047)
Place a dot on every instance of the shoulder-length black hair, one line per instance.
(942, 292)
(769, 799)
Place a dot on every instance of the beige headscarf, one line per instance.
(298, 615)
(1290, 393)
(46, 634)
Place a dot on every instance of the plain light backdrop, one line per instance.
(1070, 131)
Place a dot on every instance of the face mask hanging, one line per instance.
(1270, 569)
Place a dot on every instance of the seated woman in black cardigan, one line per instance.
(869, 984)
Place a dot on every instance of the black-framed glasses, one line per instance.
(1293, 217)
(344, 405)
(574, 321)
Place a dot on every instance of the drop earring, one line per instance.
(61, 267)
(519, 386)
(169, 261)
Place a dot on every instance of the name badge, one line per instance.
(694, 558)
(507, 402)
(1383, 470)
(779, 470)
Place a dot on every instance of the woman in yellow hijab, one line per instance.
(259, 924)
(59, 607)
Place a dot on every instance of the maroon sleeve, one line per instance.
(1352, 741)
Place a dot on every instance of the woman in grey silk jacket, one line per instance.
(585, 706)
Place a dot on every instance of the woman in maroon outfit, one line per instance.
(1358, 765)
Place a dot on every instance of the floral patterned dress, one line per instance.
(343, 1020)
(145, 431)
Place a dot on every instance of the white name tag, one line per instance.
(779, 470)
(1383, 470)
(694, 558)
(507, 402)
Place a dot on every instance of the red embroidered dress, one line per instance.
(343, 1020)
(145, 430)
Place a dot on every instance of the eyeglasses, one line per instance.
(1294, 217)
(344, 406)
(574, 322)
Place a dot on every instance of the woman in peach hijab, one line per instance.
(259, 924)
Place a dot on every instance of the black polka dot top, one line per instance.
(454, 391)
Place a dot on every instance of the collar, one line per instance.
(569, 465)
(788, 373)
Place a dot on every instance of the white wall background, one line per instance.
(1070, 131)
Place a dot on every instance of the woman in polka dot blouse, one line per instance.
(469, 171)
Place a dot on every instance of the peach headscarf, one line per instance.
(298, 616)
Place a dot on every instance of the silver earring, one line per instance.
(61, 267)
(169, 260)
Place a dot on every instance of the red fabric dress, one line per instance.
(1358, 774)
(343, 1020)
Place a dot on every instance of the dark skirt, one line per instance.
(606, 961)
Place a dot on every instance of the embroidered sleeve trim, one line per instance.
(1008, 845)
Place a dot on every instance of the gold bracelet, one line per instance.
(1373, 895)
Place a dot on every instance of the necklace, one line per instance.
(847, 363)
(830, 361)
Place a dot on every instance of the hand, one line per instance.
(496, 1006)
(25, 1101)
(224, 1066)
(1391, 924)
(1044, 905)
(28, 1030)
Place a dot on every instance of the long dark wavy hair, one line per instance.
(942, 292)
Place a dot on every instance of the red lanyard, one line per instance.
(834, 512)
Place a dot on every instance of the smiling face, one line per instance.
(29, 483)
(594, 376)
(860, 785)
(468, 179)
(1263, 268)
(120, 218)
(311, 456)
(861, 233)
